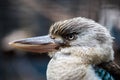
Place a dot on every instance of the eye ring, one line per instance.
(71, 36)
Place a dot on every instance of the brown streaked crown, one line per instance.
(74, 25)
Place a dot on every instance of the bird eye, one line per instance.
(70, 37)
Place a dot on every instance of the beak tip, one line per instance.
(12, 43)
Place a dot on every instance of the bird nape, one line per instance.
(76, 46)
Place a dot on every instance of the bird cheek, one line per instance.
(73, 43)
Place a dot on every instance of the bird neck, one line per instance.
(86, 55)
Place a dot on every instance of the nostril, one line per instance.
(52, 37)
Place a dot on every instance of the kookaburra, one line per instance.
(75, 47)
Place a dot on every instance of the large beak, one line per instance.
(36, 44)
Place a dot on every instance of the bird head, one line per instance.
(76, 32)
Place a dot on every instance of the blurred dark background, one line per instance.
(26, 18)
